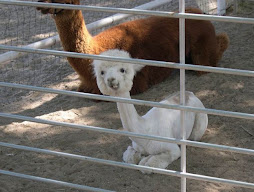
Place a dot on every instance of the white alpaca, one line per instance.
(115, 79)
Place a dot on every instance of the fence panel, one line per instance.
(183, 174)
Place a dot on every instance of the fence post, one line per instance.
(221, 7)
(182, 90)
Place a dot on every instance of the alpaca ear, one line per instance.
(137, 67)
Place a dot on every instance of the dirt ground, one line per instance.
(216, 91)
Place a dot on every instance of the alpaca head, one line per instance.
(115, 78)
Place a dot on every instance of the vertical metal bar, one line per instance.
(221, 7)
(182, 91)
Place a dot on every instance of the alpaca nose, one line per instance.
(113, 83)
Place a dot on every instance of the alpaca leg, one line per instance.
(199, 128)
(131, 156)
(204, 53)
(222, 44)
(138, 148)
(161, 160)
(82, 87)
(92, 88)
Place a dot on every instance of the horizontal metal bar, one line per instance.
(11, 55)
(132, 134)
(133, 11)
(133, 61)
(51, 181)
(131, 101)
(132, 166)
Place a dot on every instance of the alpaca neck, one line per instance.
(131, 121)
(128, 114)
(73, 32)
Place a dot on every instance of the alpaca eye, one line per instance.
(102, 72)
(122, 70)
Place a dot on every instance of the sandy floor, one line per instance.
(225, 92)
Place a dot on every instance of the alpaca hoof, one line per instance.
(45, 10)
(131, 156)
(154, 161)
(143, 162)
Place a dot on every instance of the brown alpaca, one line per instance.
(153, 38)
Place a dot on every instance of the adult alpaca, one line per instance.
(153, 38)
(115, 79)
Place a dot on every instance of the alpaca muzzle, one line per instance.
(113, 83)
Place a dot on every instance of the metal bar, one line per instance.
(221, 7)
(51, 181)
(132, 166)
(39, 44)
(131, 101)
(182, 92)
(133, 11)
(131, 134)
(133, 61)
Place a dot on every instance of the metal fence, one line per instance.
(183, 174)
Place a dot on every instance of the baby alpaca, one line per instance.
(116, 79)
